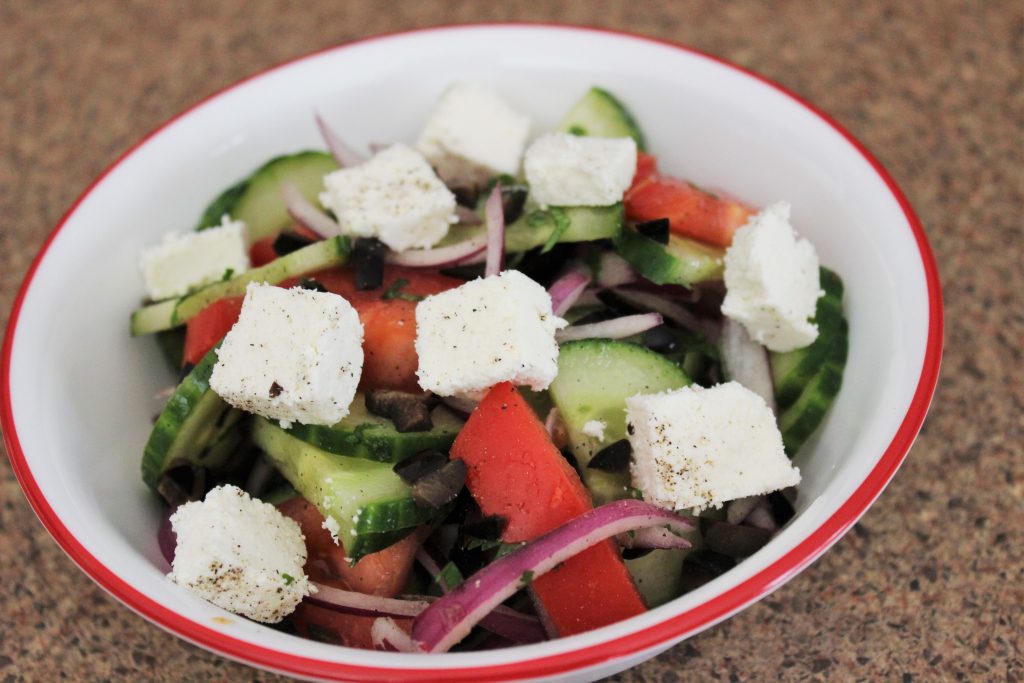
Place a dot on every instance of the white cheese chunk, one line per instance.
(698, 448)
(771, 281)
(394, 196)
(182, 261)
(473, 135)
(294, 355)
(241, 554)
(569, 170)
(594, 429)
(486, 331)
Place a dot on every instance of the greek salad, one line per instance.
(485, 388)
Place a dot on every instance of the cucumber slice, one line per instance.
(257, 200)
(173, 312)
(365, 503)
(682, 261)
(802, 418)
(601, 114)
(595, 377)
(364, 435)
(792, 371)
(196, 428)
(573, 223)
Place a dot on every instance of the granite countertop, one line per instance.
(929, 585)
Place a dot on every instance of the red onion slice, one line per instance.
(467, 216)
(342, 153)
(387, 635)
(495, 219)
(671, 310)
(450, 618)
(503, 621)
(166, 538)
(653, 538)
(566, 290)
(441, 256)
(745, 361)
(305, 213)
(361, 604)
(615, 271)
(616, 328)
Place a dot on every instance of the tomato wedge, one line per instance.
(515, 471)
(383, 573)
(389, 325)
(209, 326)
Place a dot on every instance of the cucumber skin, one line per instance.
(589, 387)
(375, 440)
(586, 223)
(191, 398)
(169, 314)
(344, 488)
(257, 200)
(800, 420)
(681, 262)
(793, 371)
(601, 114)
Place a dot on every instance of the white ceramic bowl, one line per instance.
(77, 390)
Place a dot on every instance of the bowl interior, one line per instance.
(82, 389)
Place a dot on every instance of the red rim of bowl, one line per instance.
(695, 619)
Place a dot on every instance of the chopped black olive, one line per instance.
(634, 553)
(368, 260)
(182, 484)
(287, 242)
(312, 285)
(656, 230)
(513, 199)
(661, 340)
(409, 412)
(701, 566)
(612, 458)
(466, 195)
(490, 527)
(598, 316)
(441, 486)
(617, 303)
(420, 464)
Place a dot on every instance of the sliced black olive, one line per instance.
(612, 458)
(465, 195)
(287, 242)
(441, 486)
(409, 412)
(182, 484)
(571, 459)
(617, 303)
(634, 553)
(735, 540)
(312, 285)
(418, 465)
(513, 199)
(368, 259)
(782, 509)
(656, 230)
(661, 339)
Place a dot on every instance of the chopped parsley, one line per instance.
(395, 292)
(526, 578)
(577, 130)
(228, 274)
(561, 220)
(288, 578)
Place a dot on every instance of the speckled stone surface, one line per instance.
(928, 586)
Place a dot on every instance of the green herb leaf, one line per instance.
(577, 130)
(288, 578)
(395, 292)
(526, 578)
(228, 274)
(449, 577)
(561, 220)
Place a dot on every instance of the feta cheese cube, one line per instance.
(181, 262)
(473, 135)
(241, 554)
(486, 331)
(569, 170)
(394, 196)
(771, 281)
(293, 355)
(698, 448)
